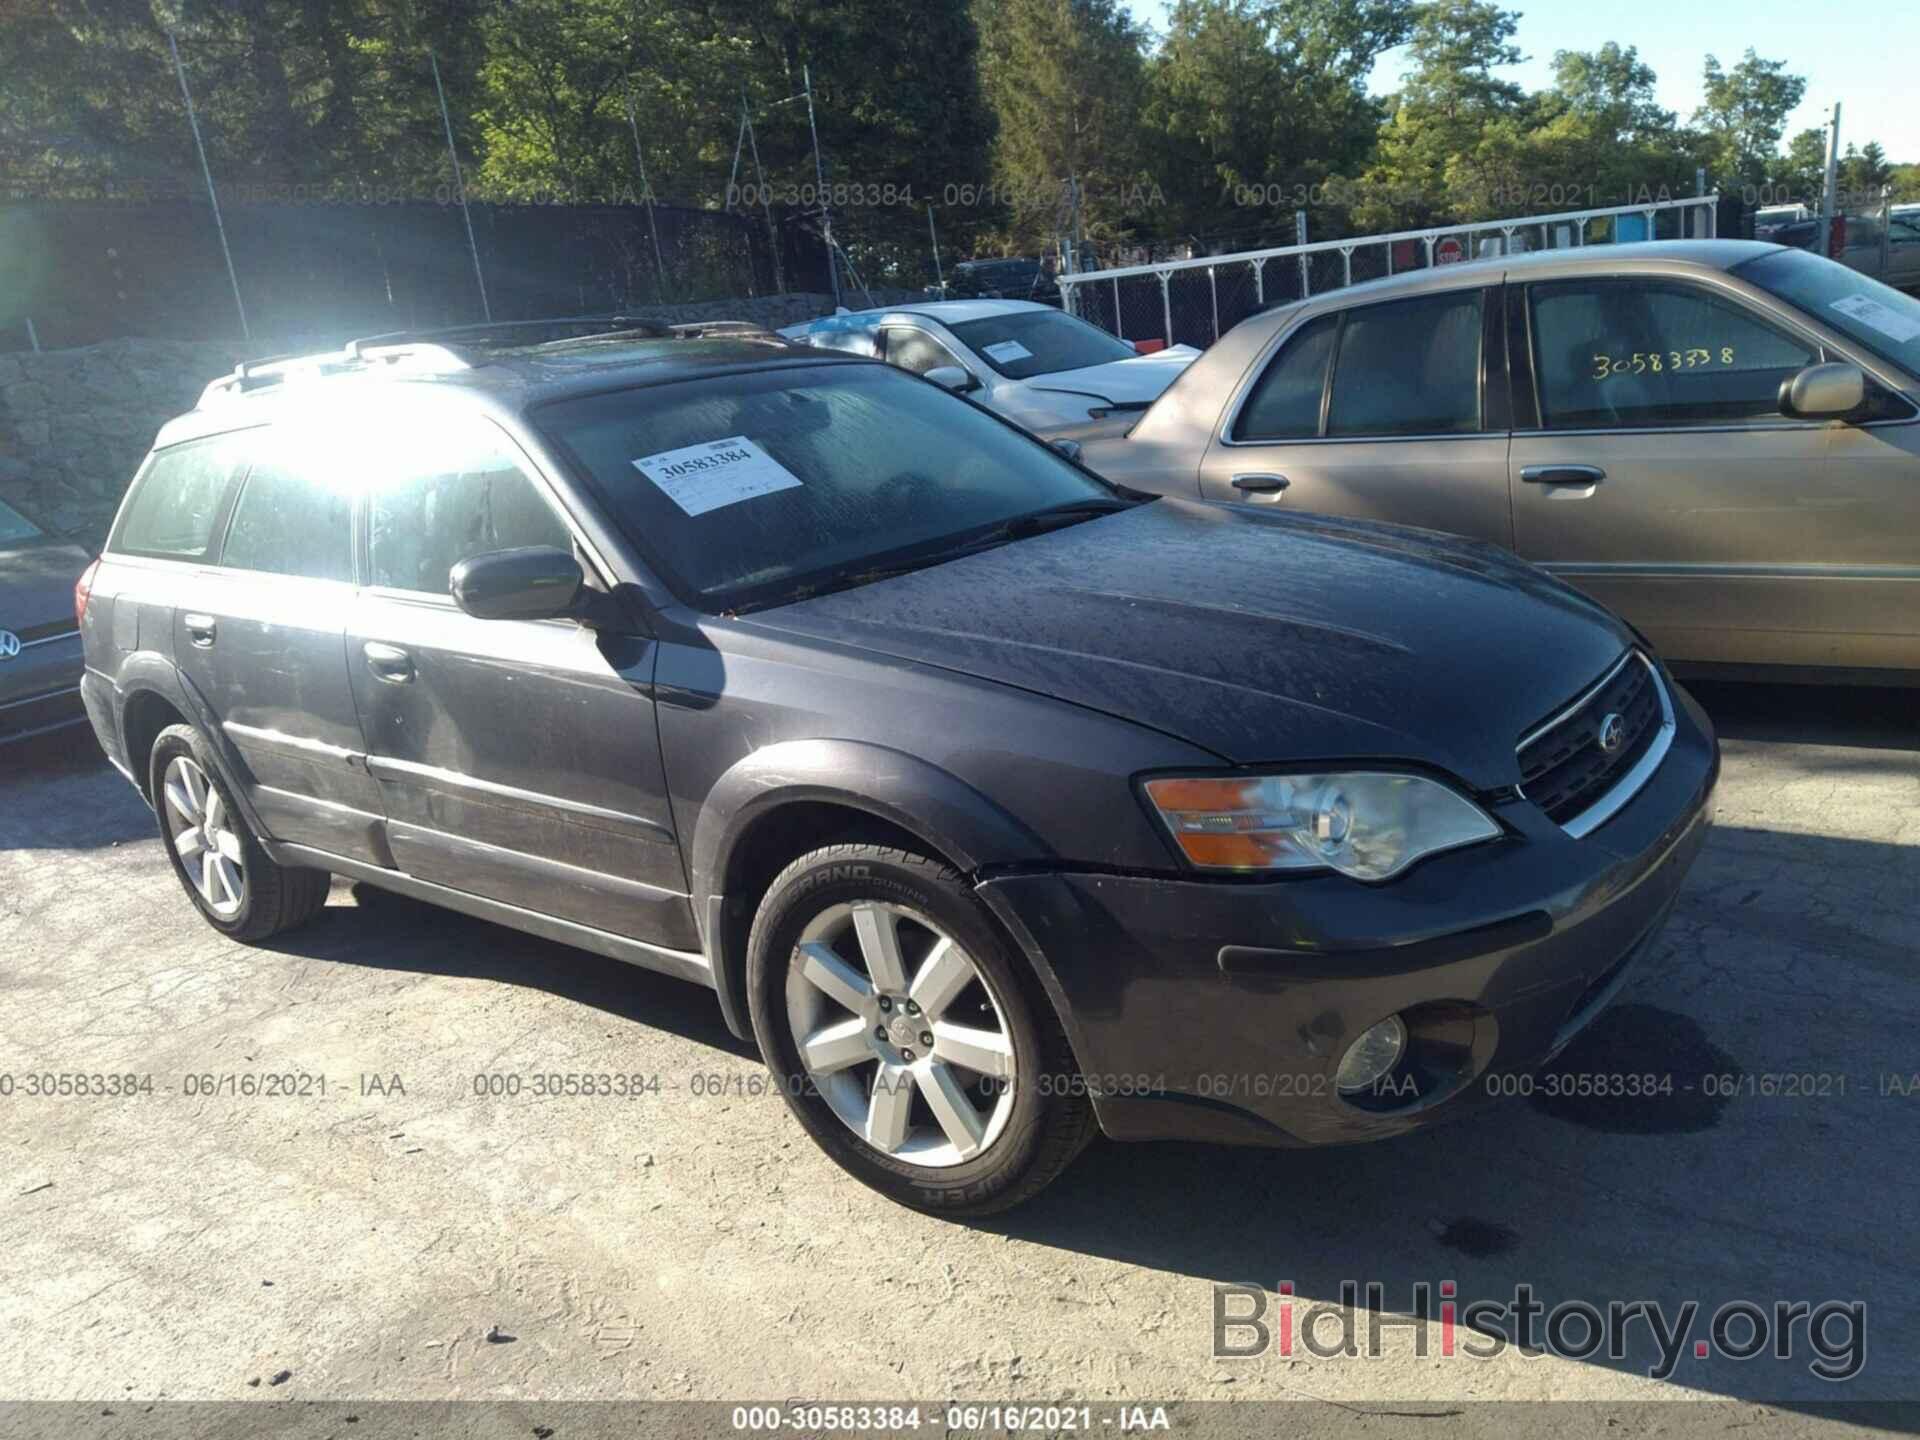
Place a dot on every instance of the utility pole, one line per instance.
(820, 184)
(766, 200)
(193, 123)
(460, 184)
(646, 194)
(938, 278)
(1828, 198)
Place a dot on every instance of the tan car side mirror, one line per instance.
(1824, 392)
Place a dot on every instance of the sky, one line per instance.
(1865, 55)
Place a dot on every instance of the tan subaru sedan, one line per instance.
(1718, 439)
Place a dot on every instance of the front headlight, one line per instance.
(1367, 824)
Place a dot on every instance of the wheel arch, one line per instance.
(155, 694)
(786, 799)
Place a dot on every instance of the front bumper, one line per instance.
(1219, 1010)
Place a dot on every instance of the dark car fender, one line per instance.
(952, 818)
(146, 672)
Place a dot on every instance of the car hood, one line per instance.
(1137, 381)
(36, 585)
(1265, 638)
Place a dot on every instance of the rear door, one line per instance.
(261, 634)
(1652, 468)
(1390, 411)
(518, 760)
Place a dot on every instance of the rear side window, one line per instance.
(1614, 353)
(1409, 368)
(175, 506)
(289, 520)
(473, 498)
(1285, 404)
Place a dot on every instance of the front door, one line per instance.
(1663, 479)
(518, 760)
(1380, 412)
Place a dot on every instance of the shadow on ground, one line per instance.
(384, 931)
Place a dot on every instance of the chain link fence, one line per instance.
(1195, 302)
(86, 271)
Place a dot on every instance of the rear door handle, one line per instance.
(1563, 474)
(388, 662)
(1260, 484)
(201, 630)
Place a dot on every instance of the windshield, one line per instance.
(15, 528)
(1879, 317)
(750, 490)
(1039, 342)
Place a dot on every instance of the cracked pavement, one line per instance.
(401, 1236)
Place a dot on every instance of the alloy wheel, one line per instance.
(900, 1034)
(204, 838)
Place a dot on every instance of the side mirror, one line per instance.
(1068, 448)
(1823, 391)
(538, 582)
(954, 378)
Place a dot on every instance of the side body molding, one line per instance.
(941, 809)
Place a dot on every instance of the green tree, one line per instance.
(1797, 177)
(1743, 115)
(1066, 80)
(1456, 131)
(1258, 102)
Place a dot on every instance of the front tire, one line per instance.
(220, 864)
(907, 1035)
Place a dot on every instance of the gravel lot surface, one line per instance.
(401, 1237)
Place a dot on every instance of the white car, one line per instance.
(1041, 368)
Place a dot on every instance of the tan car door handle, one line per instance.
(1563, 474)
(1258, 484)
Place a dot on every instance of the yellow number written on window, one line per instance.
(1656, 362)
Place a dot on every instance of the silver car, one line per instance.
(39, 636)
(1719, 439)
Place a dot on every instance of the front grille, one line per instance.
(1563, 767)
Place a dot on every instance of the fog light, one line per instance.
(1372, 1056)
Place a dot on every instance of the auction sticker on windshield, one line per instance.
(699, 478)
(1007, 351)
(1888, 321)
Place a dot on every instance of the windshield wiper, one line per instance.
(1055, 517)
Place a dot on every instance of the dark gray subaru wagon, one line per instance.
(994, 802)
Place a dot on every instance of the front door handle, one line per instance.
(201, 630)
(1563, 474)
(388, 662)
(1260, 484)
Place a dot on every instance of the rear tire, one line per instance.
(220, 864)
(847, 944)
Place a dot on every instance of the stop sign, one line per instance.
(1449, 251)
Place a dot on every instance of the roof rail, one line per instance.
(454, 347)
(356, 355)
(514, 332)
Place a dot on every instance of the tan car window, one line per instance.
(1285, 403)
(1409, 368)
(1614, 353)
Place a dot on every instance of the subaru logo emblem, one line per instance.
(1613, 732)
(9, 644)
